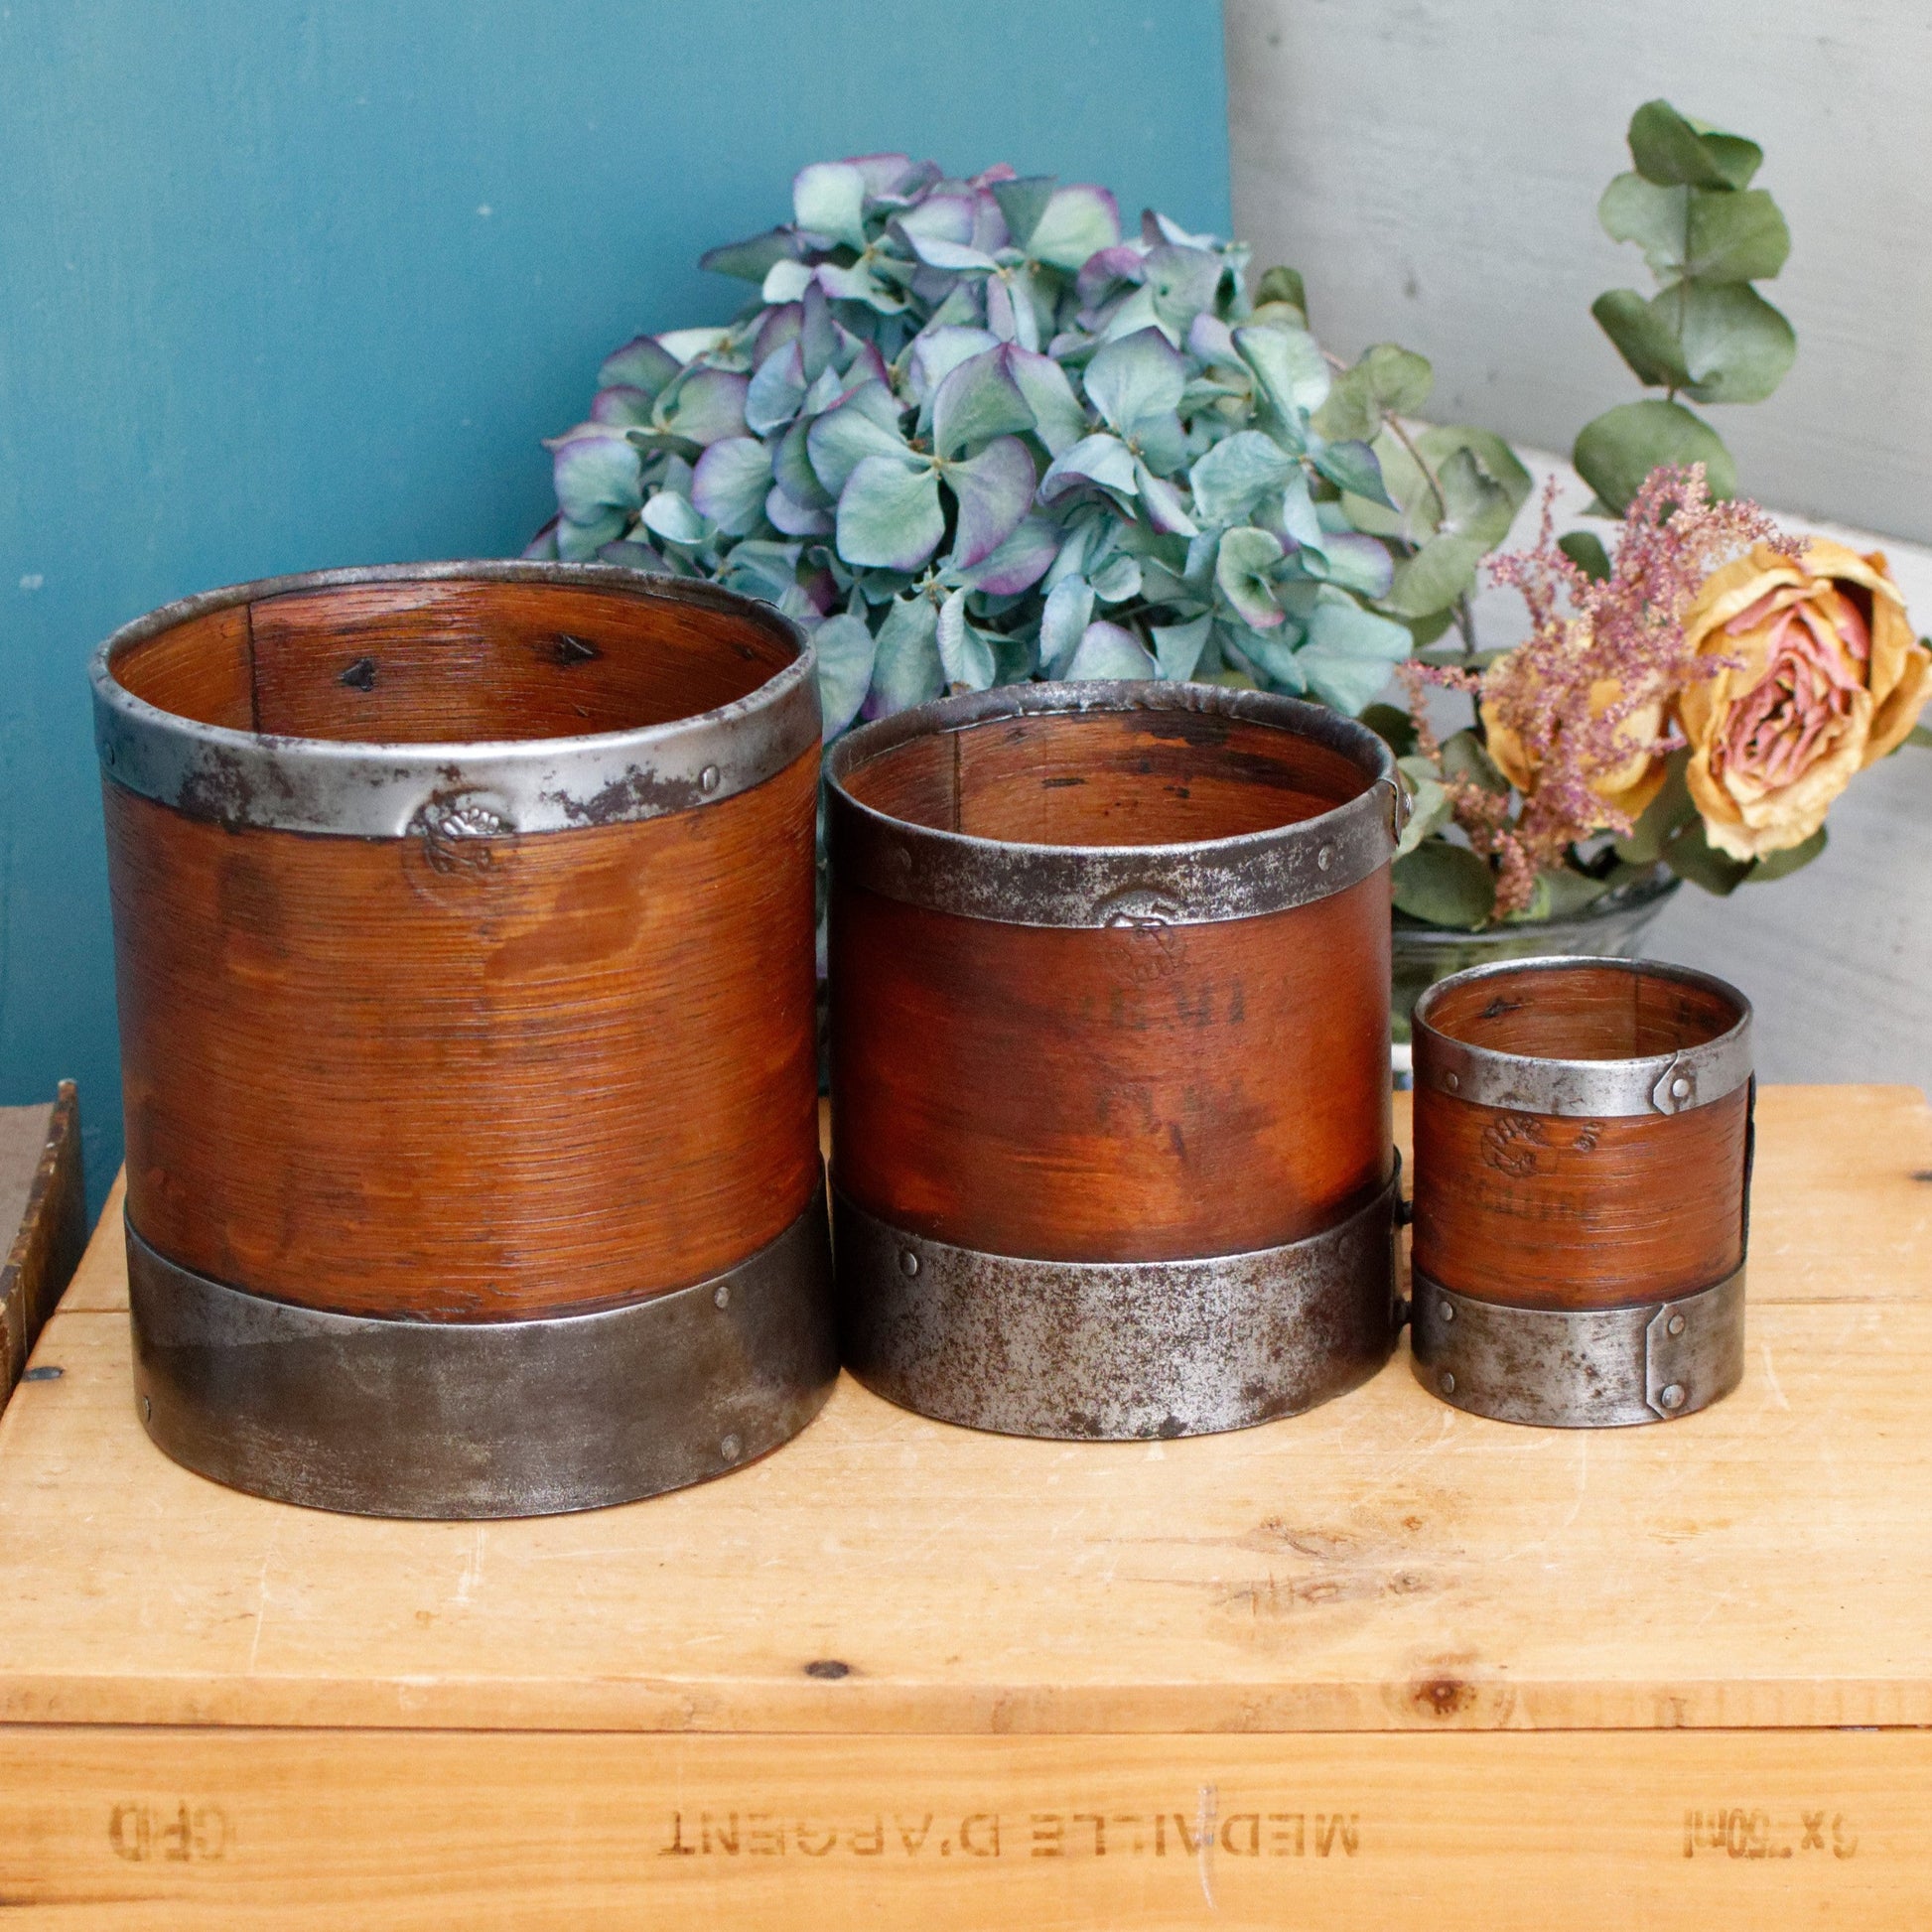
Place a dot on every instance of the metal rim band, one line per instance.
(1114, 1351)
(1584, 1368)
(347, 790)
(1659, 1083)
(487, 1418)
(1189, 884)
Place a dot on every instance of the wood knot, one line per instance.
(1442, 1696)
(828, 1668)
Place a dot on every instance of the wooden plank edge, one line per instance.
(1487, 1702)
(396, 1832)
(48, 1245)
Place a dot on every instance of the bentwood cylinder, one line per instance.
(464, 937)
(1110, 1008)
(1582, 1190)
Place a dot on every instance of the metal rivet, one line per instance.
(729, 1448)
(1447, 1311)
(1326, 856)
(909, 1262)
(1672, 1397)
(1680, 1088)
(721, 1295)
(708, 779)
(1452, 1081)
(902, 858)
(147, 1407)
(1447, 1383)
(1675, 1324)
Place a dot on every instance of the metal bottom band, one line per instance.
(1115, 1350)
(1594, 1368)
(445, 1418)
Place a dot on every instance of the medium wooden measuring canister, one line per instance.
(463, 921)
(1581, 1192)
(1110, 1012)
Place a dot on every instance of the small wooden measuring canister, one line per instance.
(1582, 1190)
(463, 921)
(1110, 1002)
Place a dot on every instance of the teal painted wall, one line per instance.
(286, 286)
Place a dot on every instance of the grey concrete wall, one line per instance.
(1432, 168)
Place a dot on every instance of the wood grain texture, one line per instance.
(1382, 1564)
(1111, 1093)
(49, 1236)
(107, 1830)
(1535, 1210)
(469, 662)
(1129, 1092)
(572, 1072)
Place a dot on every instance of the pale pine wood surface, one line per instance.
(220, 1831)
(1382, 1564)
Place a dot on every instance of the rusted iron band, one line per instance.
(1661, 1083)
(1101, 886)
(1108, 1351)
(1587, 1368)
(484, 1419)
(345, 789)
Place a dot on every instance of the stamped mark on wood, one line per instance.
(169, 1833)
(1196, 1833)
(1750, 1832)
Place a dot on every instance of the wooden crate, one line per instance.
(43, 1221)
(1386, 1664)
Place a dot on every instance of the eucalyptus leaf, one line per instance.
(1353, 467)
(1621, 447)
(1558, 893)
(1585, 549)
(1283, 285)
(1386, 381)
(1434, 576)
(1737, 345)
(1670, 149)
(1464, 756)
(1645, 335)
(1781, 864)
(1444, 885)
(1692, 856)
(1735, 237)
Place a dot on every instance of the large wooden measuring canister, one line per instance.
(463, 921)
(1582, 1180)
(1110, 1021)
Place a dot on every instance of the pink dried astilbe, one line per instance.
(1599, 654)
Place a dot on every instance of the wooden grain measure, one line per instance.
(1110, 994)
(464, 938)
(1582, 1159)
